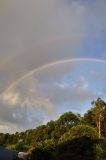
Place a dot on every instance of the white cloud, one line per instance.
(26, 105)
(81, 84)
(27, 95)
(4, 127)
(63, 85)
(10, 98)
(8, 127)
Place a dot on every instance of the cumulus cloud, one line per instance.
(25, 104)
(10, 98)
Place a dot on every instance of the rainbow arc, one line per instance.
(45, 66)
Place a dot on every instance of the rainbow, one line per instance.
(45, 66)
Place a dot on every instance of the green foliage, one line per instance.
(100, 150)
(63, 124)
(99, 114)
(40, 154)
(68, 119)
(16, 158)
(78, 132)
(88, 118)
(77, 149)
(49, 144)
(20, 146)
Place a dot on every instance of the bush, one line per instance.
(100, 150)
(40, 154)
(20, 146)
(78, 132)
(78, 149)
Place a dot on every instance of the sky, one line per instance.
(52, 60)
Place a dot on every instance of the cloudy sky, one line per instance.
(52, 59)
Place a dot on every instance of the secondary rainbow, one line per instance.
(42, 67)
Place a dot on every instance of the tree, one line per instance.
(20, 146)
(99, 115)
(88, 118)
(50, 127)
(81, 148)
(100, 150)
(63, 124)
(78, 132)
(68, 119)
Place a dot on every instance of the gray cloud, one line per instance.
(54, 73)
(37, 32)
